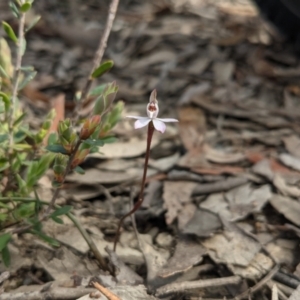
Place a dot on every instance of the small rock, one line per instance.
(164, 240)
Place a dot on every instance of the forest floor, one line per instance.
(220, 218)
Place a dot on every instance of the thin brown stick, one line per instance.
(259, 285)
(107, 293)
(197, 284)
(281, 287)
(101, 48)
(51, 293)
(91, 244)
(276, 291)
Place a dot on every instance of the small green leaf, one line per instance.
(3, 217)
(45, 162)
(14, 9)
(19, 119)
(105, 100)
(57, 149)
(3, 138)
(56, 184)
(25, 7)
(27, 79)
(52, 139)
(21, 147)
(79, 170)
(103, 68)
(9, 31)
(38, 168)
(109, 139)
(3, 72)
(4, 166)
(5, 256)
(33, 23)
(61, 211)
(5, 99)
(3, 205)
(98, 90)
(91, 142)
(27, 68)
(4, 239)
(27, 131)
(46, 238)
(19, 137)
(22, 185)
(94, 149)
(57, 220)
(25, 210)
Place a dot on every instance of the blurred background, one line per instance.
(170, 45)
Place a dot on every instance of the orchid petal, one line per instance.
(137, 117)
(159, 125)
(167, 120)
(142, 122)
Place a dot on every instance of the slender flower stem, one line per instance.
(141, 194)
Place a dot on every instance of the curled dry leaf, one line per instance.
(221, 157)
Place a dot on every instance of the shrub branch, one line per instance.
(101, 49)
(16, 77)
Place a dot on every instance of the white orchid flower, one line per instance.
(152, 112)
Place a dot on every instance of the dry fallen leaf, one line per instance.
(288, 207)
(221, 157)
(203, 224)
(290, 161)
(284, 188)
(188, 253)
(155, 260)
(223, 71)
(176, 194)
(231, 247)
(64, 263)
(192, 127)
(282, 250)
(128, 149)
(239, 202)
(292, 145)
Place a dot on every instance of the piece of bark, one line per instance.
(225, 185)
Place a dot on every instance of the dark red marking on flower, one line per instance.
(152, 107)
